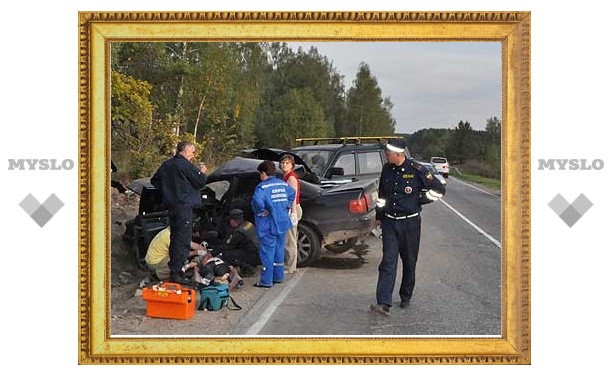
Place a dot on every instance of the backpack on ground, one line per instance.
(215, 297)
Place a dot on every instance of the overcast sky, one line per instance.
(431, 84)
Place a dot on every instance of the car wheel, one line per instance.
(129, 235)
(141, 252)
(308, 245)
(342, 245)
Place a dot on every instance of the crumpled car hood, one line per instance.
(137, 185)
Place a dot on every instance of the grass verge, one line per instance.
(488, 182)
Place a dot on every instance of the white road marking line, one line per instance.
(267, 314)
(475, 187)
(495, 241)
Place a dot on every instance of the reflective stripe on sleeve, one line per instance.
(433, 195)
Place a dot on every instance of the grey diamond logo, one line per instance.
(570, 213)
(41, 213)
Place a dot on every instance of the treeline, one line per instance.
(229, 96)
(475, 151)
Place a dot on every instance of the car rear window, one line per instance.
(370, 162)
(316, 160)
(438, 160)
(347, 163)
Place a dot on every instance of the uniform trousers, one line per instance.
(401, 238)
(272, 256)
(180, 236)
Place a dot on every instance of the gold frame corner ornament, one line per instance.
(98, 29)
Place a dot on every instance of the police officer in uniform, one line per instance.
(180, 182)
(404, 186)
(271, 203)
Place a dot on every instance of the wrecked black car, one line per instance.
(334, 218)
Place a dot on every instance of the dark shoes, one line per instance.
(405, 303)
(257, 284)
(179, 278)
(381, 309)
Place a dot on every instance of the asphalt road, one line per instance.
(458, 290)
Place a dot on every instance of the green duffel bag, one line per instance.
(216, 296)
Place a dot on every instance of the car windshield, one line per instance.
(315, 159)
(438, 160)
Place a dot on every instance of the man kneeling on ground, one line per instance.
(241, 248)
(158, 253)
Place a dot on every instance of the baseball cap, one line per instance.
(236, 214)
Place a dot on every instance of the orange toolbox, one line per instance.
(170, 301)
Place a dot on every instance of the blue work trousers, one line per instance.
(401, 238)
(272, 256)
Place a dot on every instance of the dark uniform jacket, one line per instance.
(243, 237)
(402, 189)
(179, 182)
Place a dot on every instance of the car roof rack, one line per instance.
(345, 140)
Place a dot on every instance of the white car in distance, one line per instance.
(441, 165)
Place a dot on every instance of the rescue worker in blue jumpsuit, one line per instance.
(180, 183)
(271, 203)
(404, 186)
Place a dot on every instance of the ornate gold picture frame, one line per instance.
(98, 29)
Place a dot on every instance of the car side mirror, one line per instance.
(335, 171)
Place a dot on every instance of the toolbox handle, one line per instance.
(171, 285)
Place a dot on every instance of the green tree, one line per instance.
(295, 114)
(227, 96)
(493, 127)
(313, 70)
(159, 64)
(493, 149)
(368, 113)
(299, 70)
(461, 146)
(425, 143)
(252, 83)
(131, 110)
(137, 141)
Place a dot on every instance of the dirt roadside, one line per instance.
(127, 315)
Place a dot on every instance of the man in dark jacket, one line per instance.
(400, 196)
(180, 182)
(241, 248)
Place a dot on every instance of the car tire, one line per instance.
(308, 245)
(140, 254)
(342, 245)
(129, 235)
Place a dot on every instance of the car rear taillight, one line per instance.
(373, 197)
(368, 201)
(359, 206)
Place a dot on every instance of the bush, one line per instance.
(481, 168)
